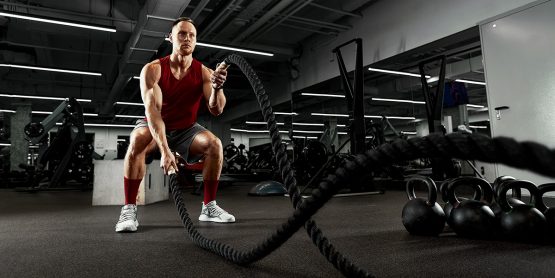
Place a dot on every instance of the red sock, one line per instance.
(131, 189)
(210, 189)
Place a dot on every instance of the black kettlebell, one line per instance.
(499, 180)
(423, 216)
(548, 212)
(447, 207)
(471, 218)
(513, 201)
(521, 222)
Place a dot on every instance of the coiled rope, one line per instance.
(525, 155)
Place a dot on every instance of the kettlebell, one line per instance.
(447, 207)
(513, 201)
(548, 212)
(423, 216)
(521, 222)
(471, 218)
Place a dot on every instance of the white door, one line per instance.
(519, 64)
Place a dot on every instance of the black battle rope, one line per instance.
(525, 155)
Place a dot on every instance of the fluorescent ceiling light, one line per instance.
(261, 123)
(308, 124)
(286, 113)
(254, 131)
(218, 46)
(238, 130)
(342, 133)
(304, 137)
(365, 116)
(314, 124)
(129, 116)
(409, 132)
(471, 82)
(136, 77)
(390, 117)
(433, 79)
(5, 144)
(129, 103)
(308, 131)
(48, 113)
(478, 126)
(322, 95)
(397, 72)
(7, 111)
(60, 22)
(39, 97)
(105, 125)
(110, 125)
(398, 100)
(51, 69)
(329, 115)
(475, 106)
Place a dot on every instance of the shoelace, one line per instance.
(127, 214)
(215, 210)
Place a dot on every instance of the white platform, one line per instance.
(108, 184)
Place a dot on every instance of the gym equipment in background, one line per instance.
(268, 188)
(67, 157)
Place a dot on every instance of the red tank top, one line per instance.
(180, 98)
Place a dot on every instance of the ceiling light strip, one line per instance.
(365, 116)
(224, 47)
(304, 137)
(129, 116)
(471, 82)
(129, 103)
(48, 113)
(475, 106)
(322, 95)
(60, 22)
(261, 123)
(397, 72)
(51, 69)
(40, 97)
(106, 125)
(398, 100)
(286, 113)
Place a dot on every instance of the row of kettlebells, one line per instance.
(489, 214)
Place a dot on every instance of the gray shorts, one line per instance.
(179, 140)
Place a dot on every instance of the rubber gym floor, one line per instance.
(59, 234)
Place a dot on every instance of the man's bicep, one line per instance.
(152, 98)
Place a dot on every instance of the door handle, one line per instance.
(498, 111)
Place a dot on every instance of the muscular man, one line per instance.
(172, 88)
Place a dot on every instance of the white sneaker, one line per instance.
(127, 219)
(214, 213)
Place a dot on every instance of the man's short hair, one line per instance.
(180, 19)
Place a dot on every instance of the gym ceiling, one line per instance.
(115, 58)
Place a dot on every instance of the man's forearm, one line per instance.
(216, 101)
(158, 131)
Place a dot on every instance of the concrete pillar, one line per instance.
(20, 147)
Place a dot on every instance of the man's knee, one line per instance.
(216, 145)
(211, 145)
(140, 140)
